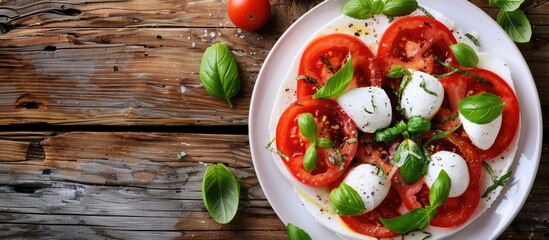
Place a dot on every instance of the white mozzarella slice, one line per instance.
(369, 107)
(371, 187)
(456, 168)
(482, 135)
(422, 96)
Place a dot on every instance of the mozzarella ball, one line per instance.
(369, 107)
(456, 168)
(422, 96)
(371, 187)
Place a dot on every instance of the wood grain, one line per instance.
(98, 96)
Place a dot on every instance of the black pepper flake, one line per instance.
(350, 25)
(357, 34)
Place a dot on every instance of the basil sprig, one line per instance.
(419, 218)
(346, 201)
(219, 72)
(400, 71)
(497, 182)
(338, 82)
(481, 108)
(308, 128)
(513, 20)
(416, 125)
(296, 233)
(364, 9)
(410, 160)
(220, 193)
(465, 54)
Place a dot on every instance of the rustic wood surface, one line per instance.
(98, 96)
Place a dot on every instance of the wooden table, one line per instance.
(98, 96)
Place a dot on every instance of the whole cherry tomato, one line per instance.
(249, 15)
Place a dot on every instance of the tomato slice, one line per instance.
(413, 42)
(459, 86)
(456, 211)
(332, 123)
(369, 224)
(326, 54)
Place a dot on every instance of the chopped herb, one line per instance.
(270, 148)
(352, 140)
(455, 70)
(328, 64)
(450, 118)
(425, 11)
(308, 80)
(497, 182)
(473, 39)
(373, 105)
(423, 85)
(380, 171)
(441, 134)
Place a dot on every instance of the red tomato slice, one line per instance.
(456, 211)
(459, 86)
(333, 123)
(333, 49)
(376, 154)
(369, 224)
(413, 42)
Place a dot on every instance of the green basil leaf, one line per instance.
(481, 108)
(310, 158)
(325, 143)
(418, 124)
(219, 72)
(307, 126)
(417, 219)
(465, 55)
(359, 9)
(346, 201)
(220, 193)
(398, 71)
(338, 82)
(516, 25)
(440, 189)
(508, 5)
(388, 134)
(409, 158)
(400, 7)
(378, 6)
(296, 233)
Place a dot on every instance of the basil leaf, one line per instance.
(465, 55)
(417, 219)
(220, 193)
(310, 158)
(440, 189)
(378, 7)
(398, 71)
(359, 9)
(418, 124)
(409, 158)
(296, 233)
(219, 72)
(307, 126)
(516, 25)
(481, 108)
(346, 201)
(388, 134)
(338, 82)
(400, 7)
(325, 143)
(507, 5)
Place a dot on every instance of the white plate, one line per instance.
(286, 202)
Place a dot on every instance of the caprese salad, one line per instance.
(396, 126)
